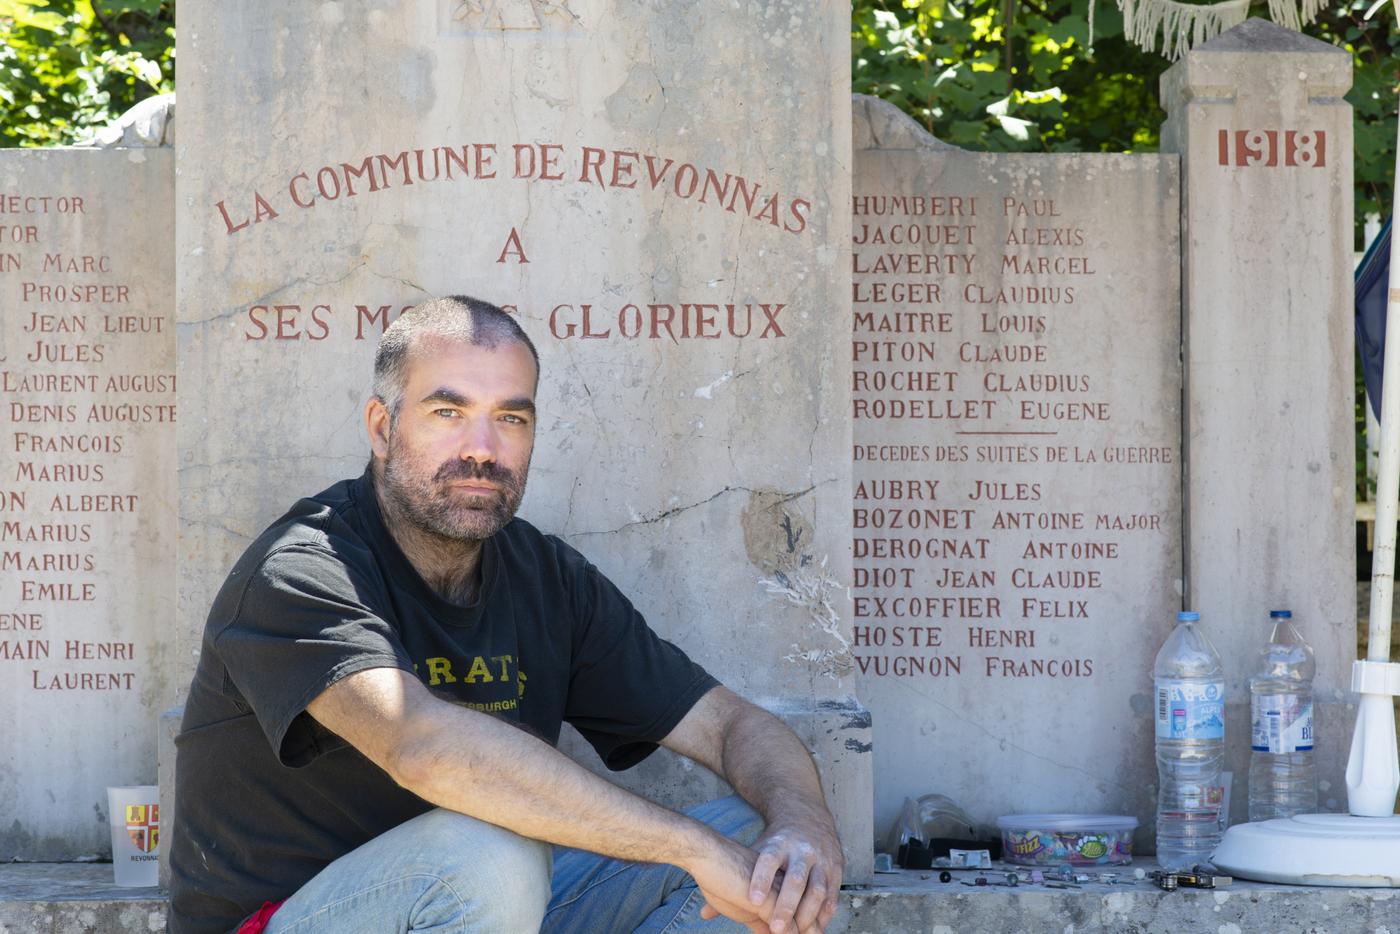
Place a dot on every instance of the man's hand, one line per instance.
(723, 878)
(801, 862)
(799, 856)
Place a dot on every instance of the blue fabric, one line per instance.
(595, 895)
(1372, 286)
(446, 873)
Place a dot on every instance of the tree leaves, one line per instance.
(68, 67)
(948, 64)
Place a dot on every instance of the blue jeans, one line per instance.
(447, 873)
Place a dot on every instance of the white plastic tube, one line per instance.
(1373, 771)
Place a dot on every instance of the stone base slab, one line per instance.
(78, 898)
(75, 898)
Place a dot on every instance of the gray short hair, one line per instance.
(458, 318)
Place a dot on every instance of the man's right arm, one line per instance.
(467, 761)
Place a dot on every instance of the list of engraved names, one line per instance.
(992, 415)
(89, 394)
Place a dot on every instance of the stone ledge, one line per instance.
(77, 898)
(74, 898)
(917, 901)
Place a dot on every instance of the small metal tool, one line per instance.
(1196, 879)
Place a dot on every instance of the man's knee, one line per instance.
(500, 878)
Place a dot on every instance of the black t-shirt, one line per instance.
(266, 797)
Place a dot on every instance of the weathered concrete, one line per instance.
(87, 486)
(620, 174)
(48, 899)
(1265, 139)
(1016, 420)
(74, 898)
(907, 902)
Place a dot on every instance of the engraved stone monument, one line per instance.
(1016, 471)
(87, 487)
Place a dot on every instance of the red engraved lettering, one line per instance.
(706, 319)
(622, 169)
(263, 211)
(363, 170)
(798, 209)
(742, 189)
(588, 331)
(655, 177)
(257, 322)
(688, 183)
(712, 183)
(397, 162)
(771, 312)
(524, 160)
(569, 328)
(593, 159)
(635, 315)
(317, 313)
(769, 212)
(364, 316)
(310, 201)
(549, 161)
(232, 228)
(287, 322)
(513, 248)
(485, 153)
(324, 174)
(657, 323)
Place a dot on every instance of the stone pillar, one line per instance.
(87, 487)
(1017, 473)
(1265, 140)
(659, 190)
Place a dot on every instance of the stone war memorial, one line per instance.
(919, 448)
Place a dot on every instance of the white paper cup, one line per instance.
(133, 812)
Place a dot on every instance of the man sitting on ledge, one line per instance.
(368, 744)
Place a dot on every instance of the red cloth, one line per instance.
(257, 922)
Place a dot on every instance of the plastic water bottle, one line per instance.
(1190, 694)
(1282, 777)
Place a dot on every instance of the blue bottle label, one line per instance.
(1190, 709)
(1283, 723)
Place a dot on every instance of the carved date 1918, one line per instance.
(1272, 148)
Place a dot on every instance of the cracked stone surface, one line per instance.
(89, 408)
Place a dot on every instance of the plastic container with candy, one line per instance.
(1067, 839)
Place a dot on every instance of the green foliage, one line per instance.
(1375, 50)
(1037, 85)
(68, 67)
(956, 67)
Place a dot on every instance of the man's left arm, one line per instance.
(771, 769)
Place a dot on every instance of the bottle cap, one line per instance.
(1187, 617)
(1280, 614)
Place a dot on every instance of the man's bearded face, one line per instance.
(458, 451)
(439, 498)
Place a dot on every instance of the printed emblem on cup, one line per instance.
(143, 826)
